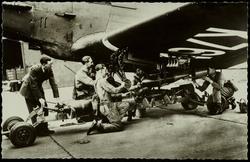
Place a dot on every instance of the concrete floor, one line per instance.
(165, 133)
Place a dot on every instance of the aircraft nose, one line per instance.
(87, 41)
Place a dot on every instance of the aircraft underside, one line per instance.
(182, 43)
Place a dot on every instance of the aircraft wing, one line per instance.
(212, 34)
(17, 6)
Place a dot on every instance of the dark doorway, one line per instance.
(12, 56)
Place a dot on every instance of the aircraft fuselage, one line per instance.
(53, 26)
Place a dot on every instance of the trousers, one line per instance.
(114, 111)
(216, 95)
(225, 91)
(33, 103)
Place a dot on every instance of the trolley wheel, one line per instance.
(187, 104)
(10, 122)
(22, 134)
(213, 109)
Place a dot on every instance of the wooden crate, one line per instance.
(20, 73)
(11, 74)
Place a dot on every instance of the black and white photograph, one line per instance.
(124, 80)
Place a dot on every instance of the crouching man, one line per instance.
(113, 111)
(221, 87)
(140, 91)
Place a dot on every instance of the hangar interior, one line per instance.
(18, 57)
(12, 60)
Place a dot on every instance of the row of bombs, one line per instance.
(23, 134)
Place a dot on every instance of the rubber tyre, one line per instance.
(10, 122)
(22, 134)
(187, 105)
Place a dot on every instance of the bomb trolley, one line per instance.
(189, 99)
(22, 133)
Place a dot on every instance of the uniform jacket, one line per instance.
(113, 110)
(104, 90)
(84, 84)
(32, 83)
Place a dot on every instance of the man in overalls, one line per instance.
(84, 84)
(113, 111)
(220, 87)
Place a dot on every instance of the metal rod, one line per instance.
(70, 69)
(51, 102)
(6, 132)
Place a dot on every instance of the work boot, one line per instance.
(219, 108)
(130, 114)
(142, 112)
(129, 118)
(96, 126)
(92, 127)
(99, 126)
(134, 112)
(233, 105)
(43, 130)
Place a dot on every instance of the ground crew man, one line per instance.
(140, 92)
(33, 92)
(84, 80)
(220, 87)
(114, 111)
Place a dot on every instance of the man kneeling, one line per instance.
(112, 111)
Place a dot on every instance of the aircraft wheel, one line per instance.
(189, 105)
(10, 122)
(22, 134)
(213, 109)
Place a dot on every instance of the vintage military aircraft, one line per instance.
(211, 34)
(185, 39)
(181, 42)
